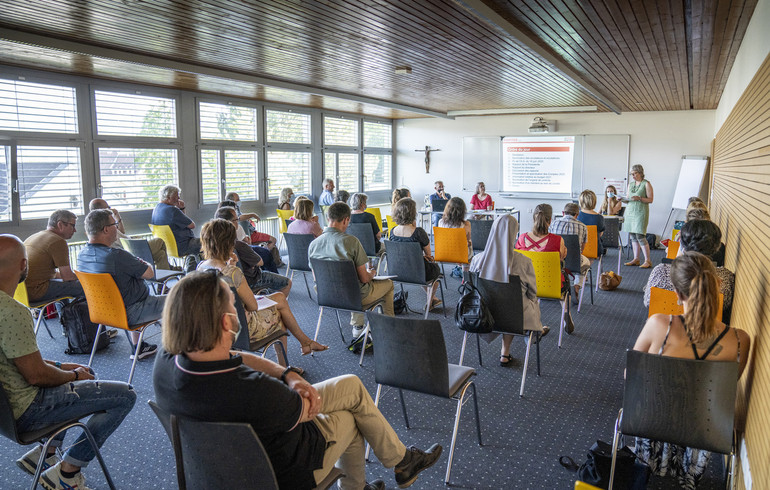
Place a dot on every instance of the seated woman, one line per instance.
(539, 240)
(342, 196)
(454, 217)
(704, 237)
(398, 194)
(696, 334)
(500, 260)
(404, 215)
(481, 200)
(358, 214)
(217, 244)
(284, 201)
(305, 222)
(588, 216)
(611, 205)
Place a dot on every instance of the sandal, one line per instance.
(313, 346)
(508, 359)
(647, 264)
(633, 262)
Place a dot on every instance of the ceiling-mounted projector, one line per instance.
(539, 126)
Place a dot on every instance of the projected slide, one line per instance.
(541, 164)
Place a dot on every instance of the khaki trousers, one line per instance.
(348, 418)
(159, 255)
(380, 289)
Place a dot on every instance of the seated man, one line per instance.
(569, 225)
(335, 244)
(128, 271)
(43, 392)
(304, 428)
(48, 252)
(170, 211)
(251, 261)
(438, 186)
(157, 246)
(327, 196)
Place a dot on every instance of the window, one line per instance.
(288, 169)
(5, 183)
(210, 178)
(342, 168)
(378, 135)
(239, 174)
(120, 114)
(340, 132)
(49, 179)
(377, 172)
(37, 107)
(287, 127)
(228, 122)
(131, 177)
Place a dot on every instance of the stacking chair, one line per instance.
(686, 402)
(9, 430)
(164, 233)
(451, 245)
(672, 250)
(411, 355)
(377, 215)
(240, 458)
(391, 224)
(480, 229)
(572, 263)
(405, 261)
(106, 308)
(591, 252)
(610, 239)
(363, 231)
(140, 248)
(337, 287)
(243, 342)
(283, 215)
(298, 246)
(548, 277)
(22, 297)
(506, 306)
(665, 301)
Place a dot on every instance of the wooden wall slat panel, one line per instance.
(739, 199)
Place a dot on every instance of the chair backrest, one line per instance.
(674, 233)
(547, 273)
(139, 248)
(591, 250)
(243, 338)
(283, 215)
(572, 261)
(21, 294)
(451, 245)
(504, 302)
(405, 261)
(337, 284)
(391, 223)
(665, 301)
(681, 401)
(7, 420)
(480, 229)
(164, 233)
(105, 303)
(672, 249)
(324, 209)
(170, 425)
(611, 235)
(239, 458)
(363, 231)
(377, 215)
(410, 354)
(298, 246)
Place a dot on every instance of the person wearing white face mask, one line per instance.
(612, 204)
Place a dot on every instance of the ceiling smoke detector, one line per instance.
(538, 126)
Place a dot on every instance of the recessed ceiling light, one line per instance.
(403, 70)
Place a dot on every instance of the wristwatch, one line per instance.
(289, 369)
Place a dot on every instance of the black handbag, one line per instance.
(630, 473)
(471, 314)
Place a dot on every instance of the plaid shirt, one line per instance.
(569, 225)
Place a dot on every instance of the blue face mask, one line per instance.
(238, 333)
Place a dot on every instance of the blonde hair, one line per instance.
(609, 203)
(695, 280)
(218, 239)
(303, 209)
(542, 219)
(587, 199)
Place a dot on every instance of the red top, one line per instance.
(549, 243)
(478, 204)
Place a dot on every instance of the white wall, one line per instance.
(755, 47)
(658, 141)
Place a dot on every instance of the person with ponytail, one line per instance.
(696, 334)
(539, 240)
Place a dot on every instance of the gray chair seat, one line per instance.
(458, 376)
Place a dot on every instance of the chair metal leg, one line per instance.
(591, 278)
(40, 319)
(537, 347)
(427, 301)
(339, 325)
(460, 402)
(93, 349)
(478, 346)
(563, 320)
(443, 273)
(615, 440)
(443, 303)
(526, 363)
(403, 408)
(462, 349)
(318, 324)
(582, 290)
(136, 354)
(363, 346)
(476, 409)
(598, 274)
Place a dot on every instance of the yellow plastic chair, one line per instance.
(22, 297)
(106, 307)
(665, 302)
(547, 267)
(579, 485)
(377, 215)
(391, 224)
(672, 250)
(283, 215)
(674, 233)
(451, 245)
(164, 233)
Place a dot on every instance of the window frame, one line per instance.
(311, 148)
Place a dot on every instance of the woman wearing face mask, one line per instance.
(217, 246)
(611, 205)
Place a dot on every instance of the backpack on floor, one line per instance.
(80, 330)
(399, 302)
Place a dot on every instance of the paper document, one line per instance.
(384, 277)
(263, 302)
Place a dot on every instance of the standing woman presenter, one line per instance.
(637, 215)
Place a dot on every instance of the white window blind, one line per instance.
(5, 183)
(287, 127)
(120, 114)
(241, 173)
(210, 178)
(228, 122)
(343, 169)
(37, 107)
(288, 169)
(378, 135)
(377, 172)
(131, 177)
(49, 179)
(340, 132)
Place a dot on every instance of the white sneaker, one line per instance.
(358, 330)
(52, 479)
(28, 462)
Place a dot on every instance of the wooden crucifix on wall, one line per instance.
(427, 151)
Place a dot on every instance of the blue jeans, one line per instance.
(58, 288)
(80, 399)
(146, 311)
(271, 281)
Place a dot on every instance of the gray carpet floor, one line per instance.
(573, 403)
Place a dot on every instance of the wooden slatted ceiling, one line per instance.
(741, 187)
(634, 52)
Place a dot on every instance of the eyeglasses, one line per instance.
(112, 224)
(68, 223)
